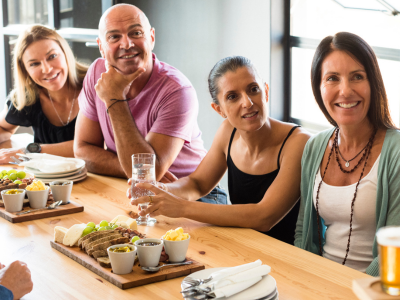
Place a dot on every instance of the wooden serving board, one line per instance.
(60, 210)
(370, 289)
(136, 278)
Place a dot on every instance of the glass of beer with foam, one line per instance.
(388, 239)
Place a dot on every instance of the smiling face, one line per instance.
(242, 99)
(127, 40)
(46, 64)
(345, 89)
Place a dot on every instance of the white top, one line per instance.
(335, 208)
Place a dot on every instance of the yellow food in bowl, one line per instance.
(37, 185)
(13, 192)
(121, 249)
(175, 235)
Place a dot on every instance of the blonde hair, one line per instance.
(26, 91)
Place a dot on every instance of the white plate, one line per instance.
(75, 173)
(71, 178)
(80, 163)
(265, 287)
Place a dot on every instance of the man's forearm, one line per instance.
(128, 139)
(99, 160)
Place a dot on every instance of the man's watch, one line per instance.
(33, 148)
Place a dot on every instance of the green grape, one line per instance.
(12, 176)
(108, 227)
(4, 172)
(1, 175)
(21, 174)
(103, 223)
(17, 181)
(5, 177)
(91, 224)
(134, 239)
(114, 226)
(87, 230)
(102, 228)
(9, 172)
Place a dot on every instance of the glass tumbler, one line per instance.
(143, 170)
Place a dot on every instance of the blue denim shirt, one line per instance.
(5, 293)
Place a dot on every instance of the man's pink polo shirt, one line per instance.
(166, 105)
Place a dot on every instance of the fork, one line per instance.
(16, 160)
(195, 282)
(23, 157)
(192, 291)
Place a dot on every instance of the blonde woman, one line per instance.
(48, 80)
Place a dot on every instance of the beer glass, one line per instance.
(388, 239)
(143, 170)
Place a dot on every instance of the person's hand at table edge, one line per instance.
(17, 278)
(5, 154)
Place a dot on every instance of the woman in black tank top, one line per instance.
(262, 156)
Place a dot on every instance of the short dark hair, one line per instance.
(231, 63)
(357, 48)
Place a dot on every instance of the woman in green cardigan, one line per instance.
(350, 183)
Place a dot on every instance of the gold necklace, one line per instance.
(70, 112)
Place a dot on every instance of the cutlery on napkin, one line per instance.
(233, 280)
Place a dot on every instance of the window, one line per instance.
(75, 20)
(312, 20)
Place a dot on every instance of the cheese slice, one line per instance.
(120, 218)
(122, 224)
(131, 224)
(59, 233)
(73, 234)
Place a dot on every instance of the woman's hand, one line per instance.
(5, 154)
(129, 191)
(163, 203)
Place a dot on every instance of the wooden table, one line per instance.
(299, 274)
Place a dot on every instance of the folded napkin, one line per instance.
(233, 280)
(48, 163)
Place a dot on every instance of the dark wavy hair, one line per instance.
(231, 63)
(356, 47)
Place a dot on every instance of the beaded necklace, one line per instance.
(366, 156)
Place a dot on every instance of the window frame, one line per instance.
(54, 21)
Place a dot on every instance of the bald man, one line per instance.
(135, 103)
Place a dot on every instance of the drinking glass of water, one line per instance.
(143, 170)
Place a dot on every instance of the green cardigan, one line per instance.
(387, 193)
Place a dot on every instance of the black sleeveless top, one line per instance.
(245, 188)
(44, 131)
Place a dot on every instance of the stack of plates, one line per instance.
(77, 174)
(265, 289)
